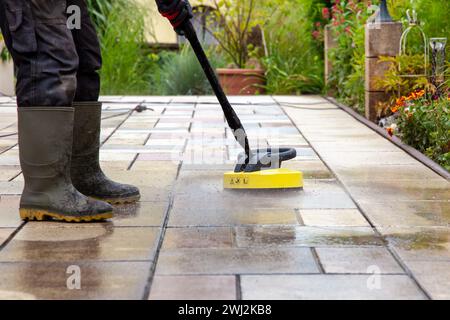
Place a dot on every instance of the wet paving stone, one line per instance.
(299, 236)
(11, 188)
(9, 172)
(152, 177)
(434, 276)
(407, 213)
(238, 215)
(329, 287)
(278, 241)
(383, 172)
(51, 241)
(230, 209)
(333, 218)
(396, 190)
(350, 158)
(141, 214)
(184, 238)
(311, 169)
(9, 212)
(49, 280)
(419, 243)
(193, 288)
(5, 233)
(358, 260)
(225, 261)
(194, 187)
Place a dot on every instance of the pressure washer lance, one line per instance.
(248, 173)
(230, 115)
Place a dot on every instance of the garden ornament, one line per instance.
(438, 59)
(383, 14)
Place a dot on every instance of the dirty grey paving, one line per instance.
(371, 222)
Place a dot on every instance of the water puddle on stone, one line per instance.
(421, 240)
(306, 236)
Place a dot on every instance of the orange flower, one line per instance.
(400, 103)
(391, 129)
(416, 95)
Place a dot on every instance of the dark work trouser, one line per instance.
(56, 64)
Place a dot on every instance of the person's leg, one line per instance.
(87, 175)
(90, 59)
(44, 54)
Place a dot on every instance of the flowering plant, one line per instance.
(347, 19)
(423, 122)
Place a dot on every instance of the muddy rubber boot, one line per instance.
(45, 147)
(87, 176)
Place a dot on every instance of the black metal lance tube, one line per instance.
(230, 115)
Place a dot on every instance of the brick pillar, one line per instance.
(382, 39)
(330, 43)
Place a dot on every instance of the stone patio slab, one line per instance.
(358, 260)
(329, 287)
(367, 208)
(193, 288)
(232, 261)
(333, 218)
(48, 280)
(300, 236)
(57, 242)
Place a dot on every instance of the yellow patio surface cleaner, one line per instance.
(263, 171)
(256, 169)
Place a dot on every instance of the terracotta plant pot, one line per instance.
(242, 81)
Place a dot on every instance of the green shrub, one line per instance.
(425, 125)
(125, 64)
(4, 54)
(294, 60)
(180, 73)
(348, 57)
(397, 80)
(100, 11)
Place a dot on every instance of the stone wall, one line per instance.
(382, 39)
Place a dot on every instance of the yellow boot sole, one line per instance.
(41, 215)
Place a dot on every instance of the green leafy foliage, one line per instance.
(231, 23)
(4, 54)
(425, 125)
(404, 75)
(347, 58)
(125, 64)
(294, 60)
(181, 74)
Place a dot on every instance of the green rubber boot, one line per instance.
(87, 176)
(45, 146)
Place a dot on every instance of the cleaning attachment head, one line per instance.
(262, 170)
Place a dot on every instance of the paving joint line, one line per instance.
(378, 233)
(151, 277)
(117, 127)
(12, 235)
(148, 137)
(317, 260)
(238, 287)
